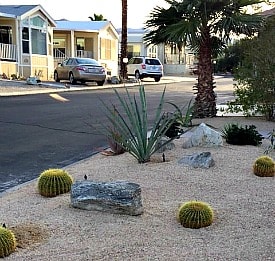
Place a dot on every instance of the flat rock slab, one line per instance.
(119, 197)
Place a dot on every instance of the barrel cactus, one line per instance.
(264, 166)
(195, 214)
(7, 242)
(53, 182)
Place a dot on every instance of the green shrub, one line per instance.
(255, 74)
(195, 214)
(264, 166)
(7, 242)
(238, 135)
(53, 182)
(131, 123)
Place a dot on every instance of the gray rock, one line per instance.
(203, 136)
(168, 146)
(119, 197)
(115, 80)
(33, 80)
(198, 160)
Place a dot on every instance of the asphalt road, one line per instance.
(44, 131)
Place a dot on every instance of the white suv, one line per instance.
(142, 67)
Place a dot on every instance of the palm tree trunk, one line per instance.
(205, 101)
(123, 48)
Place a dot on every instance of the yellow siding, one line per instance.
(8, 68)
(39, 67)
(39, 60)
(41, 72)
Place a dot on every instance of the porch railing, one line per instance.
(84, 54)
(8, 52)
(59, 56)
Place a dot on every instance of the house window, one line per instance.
(80, 43)
(37, 21)
(39, 41)
(25, 22)
(80, 47)
(5, 34)
(152, 51)
(133, 50)
(173, 55)
(37, 33)
(25, 40)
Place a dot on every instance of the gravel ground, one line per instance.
(243, 227)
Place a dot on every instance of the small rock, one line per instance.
(198, 160)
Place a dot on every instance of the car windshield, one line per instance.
(86, 61)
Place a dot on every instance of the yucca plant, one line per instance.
(131, 123)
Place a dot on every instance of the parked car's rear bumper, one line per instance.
(152, 75)
(87, 78)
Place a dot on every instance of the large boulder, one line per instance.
(119, 197)
(202, 136)
(198, 160)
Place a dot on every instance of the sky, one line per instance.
(80, 10)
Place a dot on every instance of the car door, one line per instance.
(130, 66)
(62, 70)
(69, 67)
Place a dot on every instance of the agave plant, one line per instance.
(132, 125)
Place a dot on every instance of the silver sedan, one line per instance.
(80, 69)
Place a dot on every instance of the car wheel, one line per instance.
(100, 83)
(137, 75)
(55, 76)
(72, 79)
(157, 79)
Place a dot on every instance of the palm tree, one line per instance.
(123, 48)
(206, 25)
(97, 18)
